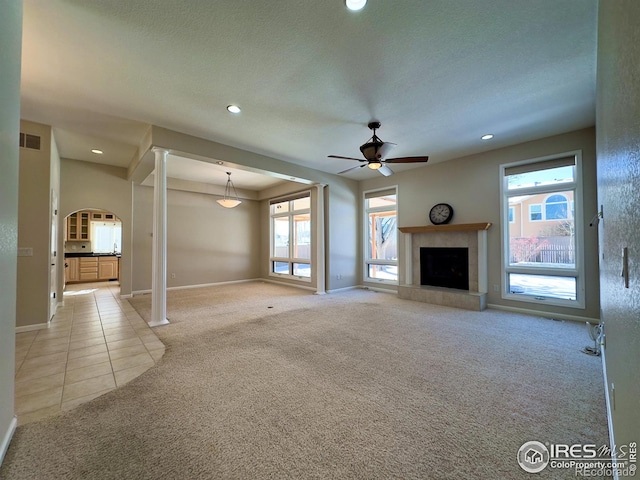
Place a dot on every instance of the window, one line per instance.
(512, 215)
(106, 237)
(291, 237)
(535, 212)
(541, 254)
(555, 208)
(381, 248)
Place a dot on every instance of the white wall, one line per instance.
(206, 243)
(10, 39)
(618, 134)
(472, 186)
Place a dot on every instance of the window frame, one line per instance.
(366, 261)
(290, 214)
(575, 214)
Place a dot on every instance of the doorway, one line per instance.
(53, 256)
(92, 247)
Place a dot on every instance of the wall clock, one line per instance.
(441, 214)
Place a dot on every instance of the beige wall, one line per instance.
(618, 127)
(34, 228)
(205, 242)
(10, 38)
(86, 186)
(341, 197)
(472, 186)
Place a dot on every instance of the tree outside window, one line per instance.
(381, 258)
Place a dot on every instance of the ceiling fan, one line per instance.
(375, 152)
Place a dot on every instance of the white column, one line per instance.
(408, 259)
(321, 287)
(159, 265)
(483, 267)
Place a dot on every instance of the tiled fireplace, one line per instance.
(462, 236)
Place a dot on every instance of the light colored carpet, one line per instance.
(266, 381)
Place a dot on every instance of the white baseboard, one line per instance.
(6, 439)
(343, 289)
(30, 328)
(186, 287)
(607, 397)
(537, 313)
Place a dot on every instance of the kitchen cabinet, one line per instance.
(107, 268)
(103, 216)
(88, 269)
(91, 268)
(78, 226)
(72, 226)
(72, 270)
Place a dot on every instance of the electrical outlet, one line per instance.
(173, 275)
(496, 287)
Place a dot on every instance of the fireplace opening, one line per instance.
(444, 267)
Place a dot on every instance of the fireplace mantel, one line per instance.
(460, 227)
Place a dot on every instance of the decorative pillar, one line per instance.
(408, 259)
(159, 265)
(321, 287)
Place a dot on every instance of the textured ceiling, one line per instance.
(309, 75)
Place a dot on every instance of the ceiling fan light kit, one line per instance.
(375, 152)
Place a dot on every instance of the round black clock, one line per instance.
(441, 213)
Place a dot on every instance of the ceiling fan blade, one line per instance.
(406, 160)
(384, 150)
(352, 168)
(386, 171)
(348, 158)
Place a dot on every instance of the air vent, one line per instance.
(29, 141)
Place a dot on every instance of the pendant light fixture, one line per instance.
(228, 201)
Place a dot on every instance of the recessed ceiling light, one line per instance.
(488, 136)
(96, 151)
(233, 109)
(355, 4)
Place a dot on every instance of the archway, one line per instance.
(92, 246)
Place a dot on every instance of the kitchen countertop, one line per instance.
(90, 254)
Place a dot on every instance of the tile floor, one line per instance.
(96, 343)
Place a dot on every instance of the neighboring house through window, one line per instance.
(291, 236)
(381, 239)
(542, 250)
